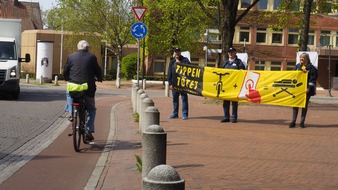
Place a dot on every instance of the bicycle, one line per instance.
(219, 84)
(79, 120)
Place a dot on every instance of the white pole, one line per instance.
(61, 48)
(138, 61)
(105, 59)
(244, 45)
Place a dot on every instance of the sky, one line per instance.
(44, 4)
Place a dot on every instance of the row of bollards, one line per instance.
(56, 80)
(155, 173)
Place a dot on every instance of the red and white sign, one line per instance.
(139, 12)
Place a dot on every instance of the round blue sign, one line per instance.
(139, 30)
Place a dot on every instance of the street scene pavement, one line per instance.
(258, 152)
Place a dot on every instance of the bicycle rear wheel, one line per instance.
(76, 131)
(85, 131)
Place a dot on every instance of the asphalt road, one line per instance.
(37, 121)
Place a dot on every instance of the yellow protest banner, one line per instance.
(283, 88)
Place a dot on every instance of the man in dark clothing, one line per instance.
(171, 70)
(232, 63)
(82, 67)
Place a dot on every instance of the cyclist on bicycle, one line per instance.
(82, 67)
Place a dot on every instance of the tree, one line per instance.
(229, 20)
(290, 9)
(49, 21)
(173, 23)
(109, 19)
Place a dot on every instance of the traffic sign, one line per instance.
(139, 30)
(139, 12)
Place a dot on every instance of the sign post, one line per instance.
(139, 31)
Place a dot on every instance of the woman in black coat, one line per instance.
(306, 66)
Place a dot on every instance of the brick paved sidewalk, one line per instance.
(258, 152)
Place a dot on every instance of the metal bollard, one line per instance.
(141, 98)
(145, 104)
(27, 78)
(134, 90)
(139, 92)
(154, 148)
(56, 80)
(151, 116)
(139, 102)
(167, 90)
(163, 177)
(118, 83)
(144, 84)
(41, 79)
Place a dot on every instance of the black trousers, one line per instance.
(304, 111)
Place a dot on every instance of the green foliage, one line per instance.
(110, 20)
(138, 163)
(151, 78)
(174, 24)
(213, 101)
(136, 117)
(129, 65)
(49, 19)
(287, 11)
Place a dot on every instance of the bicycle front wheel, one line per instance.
(76, 132)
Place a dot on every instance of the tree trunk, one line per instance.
(304, 34)
(118, 69)
(228, 27)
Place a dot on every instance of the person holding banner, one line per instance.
(306, 66)
(232, 63)
(178, 58)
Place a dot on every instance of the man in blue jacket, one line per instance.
(232, 63)
(178, 58)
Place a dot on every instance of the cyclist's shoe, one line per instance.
(89, 136)
(70, 118)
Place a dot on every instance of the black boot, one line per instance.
(292, 125)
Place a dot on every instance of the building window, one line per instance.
(324, 38)
(211, 63)
(293, 36)
(329, 8)
(245, 3)
(276, 3)
(290, 66)
(277, 36)
(195, 61)
(311, 40)
(244, 34)
(260, 65)
(263, 5)
(275, 66)
(261, 35)
(159, 66)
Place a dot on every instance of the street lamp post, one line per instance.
(329, 69)
(205, 48)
